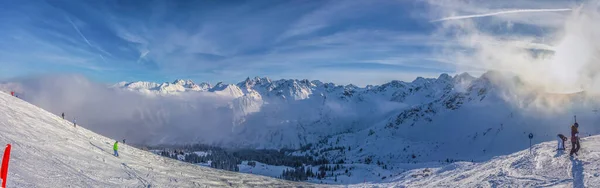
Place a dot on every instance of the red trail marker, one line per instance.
(4, 170)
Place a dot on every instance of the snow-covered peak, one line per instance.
(203, 86)
(183, 82)
(351, 87)
(174, 87)
(462, 81)
(219, 86)
(256, 83)
(293, 89)
(227, 90)
(444, 77)
(119, 85)
(190, 85)
(420, 81)
(463, 77)
(142, 85)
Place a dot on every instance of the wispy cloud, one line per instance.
(500, 13)
(207, 40)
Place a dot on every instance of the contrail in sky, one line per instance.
(80, 34)
(86, 40)
(500, 13)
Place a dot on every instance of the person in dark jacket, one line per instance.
(561, 141)
(574, 139)
(63, 115)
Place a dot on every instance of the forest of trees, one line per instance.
(302, 173)
(278, 158)
(229, 159)
(220, 159)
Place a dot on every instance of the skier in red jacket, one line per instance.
(575, 139)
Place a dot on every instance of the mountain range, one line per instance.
(48, 151)
(457, 117)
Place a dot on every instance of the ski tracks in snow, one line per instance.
(132, 174)
(577, 173)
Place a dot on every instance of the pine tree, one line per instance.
(308, 172)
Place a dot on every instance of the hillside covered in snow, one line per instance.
(48, 151)
(543, 166)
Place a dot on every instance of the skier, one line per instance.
(123, 141)
(63, 115)
(74, 123)
(561, 141)
(12, 93)
(116, 147)
(574, 139)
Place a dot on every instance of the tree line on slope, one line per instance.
(228, 159)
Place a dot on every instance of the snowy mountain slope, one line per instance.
(49, 152)
(227, 90)
(429, 120)
(476, 131)
(545, 167)
(176, 86)
(400, 107)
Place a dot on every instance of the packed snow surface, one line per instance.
(48, 151)
(543, 167)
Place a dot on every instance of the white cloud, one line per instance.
(558, 57)
(121, 114)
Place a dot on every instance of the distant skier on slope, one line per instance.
(561, 141)
(74, 123)
(574, 139)
(12, 93)
(63, 115)
(116, 147)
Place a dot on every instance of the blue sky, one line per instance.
(360, 42)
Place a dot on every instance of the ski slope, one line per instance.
(545, 167)
(48, 151)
